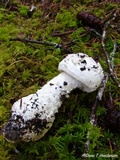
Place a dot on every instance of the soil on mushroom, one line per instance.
(26, 67)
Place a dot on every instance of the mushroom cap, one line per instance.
(84, 69)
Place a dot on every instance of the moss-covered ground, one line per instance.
(26, 67)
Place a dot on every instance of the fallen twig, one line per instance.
(61, 34)
(55, 45)
(112, 55)
(93, 121)
(110, 67)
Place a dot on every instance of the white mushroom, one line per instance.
(32, 116)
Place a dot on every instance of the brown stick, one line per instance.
(55, 45)
(93, 121)
(110, 68)
(61, 34)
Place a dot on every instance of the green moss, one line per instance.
(65, 19)
(23, 10)
(26, 67)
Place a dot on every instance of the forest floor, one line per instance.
(26, 66)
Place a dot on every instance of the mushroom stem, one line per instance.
(39, 108)
(59, 86)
